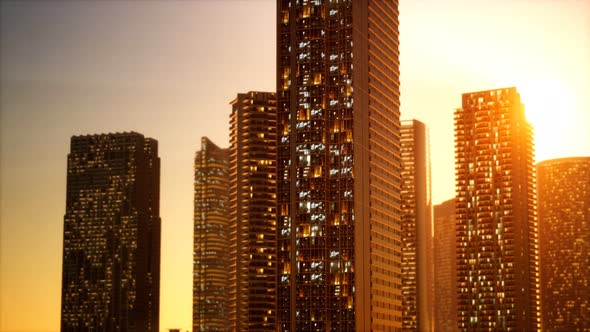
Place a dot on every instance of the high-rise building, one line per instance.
(445, 267)
(338, 167)
(416, 218)
(564, 234)
(111, 246)
(211, 238)
(497, 231)
(253, 203)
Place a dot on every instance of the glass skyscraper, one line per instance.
(338, 166)
(111, 245)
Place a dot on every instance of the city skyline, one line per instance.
(47, 100)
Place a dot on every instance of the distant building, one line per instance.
(416, 217)
(338, 166)
(252, 206)
(111, 246)
(497, 231)
(445, 267)
(211, 239)
(564, 229)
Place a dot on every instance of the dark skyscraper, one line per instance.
(416, 217)
(445, 267)
(338, 166)
(252, 205)
(111, 247)
(211, 239)
(564, 234)
(497, 232)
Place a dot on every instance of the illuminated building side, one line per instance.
(111, 245)
(445, 267)
(253, 203)
(416, 217)
(211, 239)
(564, 233)
(497, 231)
(338, 166)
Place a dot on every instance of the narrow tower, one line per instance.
(253, 203)
(338, 167)
(416, 217)
(211, 239)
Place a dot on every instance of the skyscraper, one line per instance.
(211, 239)
(111, 246)
(497, 231)
(339, 229)
(445, 267)
(564, 233)
(416, 217)
(253, 203)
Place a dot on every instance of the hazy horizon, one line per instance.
(169, 70)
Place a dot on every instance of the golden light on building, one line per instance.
(416, 218)
(564, 229)
(497, 231)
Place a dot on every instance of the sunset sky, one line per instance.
(168, 69)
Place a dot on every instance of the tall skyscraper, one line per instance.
(416, 217)
(211, 259)
(339, 228)
(445, 267)
(497, 231)
(564, 233)
(253, 204)
(111, 246)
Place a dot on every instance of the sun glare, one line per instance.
(549, 107)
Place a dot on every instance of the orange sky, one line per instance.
(169, 71)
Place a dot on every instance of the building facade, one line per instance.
(416, 218)
(253, 204)
(564, 233)
(111, 245)
(497, 231)
(211, 260)
(338, 167)
(445, 267)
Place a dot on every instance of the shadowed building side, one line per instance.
(111, 247)
(445, 267)
(416, 217)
